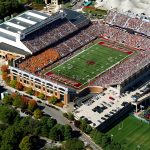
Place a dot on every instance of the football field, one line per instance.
(133, 134)
(89, 63)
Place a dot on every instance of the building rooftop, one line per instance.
(20, 23)
(10, 48)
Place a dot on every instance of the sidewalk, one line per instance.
(33, 97)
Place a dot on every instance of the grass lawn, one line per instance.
(89, 63)
(133, 133)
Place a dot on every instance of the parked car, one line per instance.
(103, 118)
(39, 101)
(111, 98)
(28, 112)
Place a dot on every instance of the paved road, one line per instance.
(60, 119)
(57, 114)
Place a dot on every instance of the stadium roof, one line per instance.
(20, 30)
(12, 49)
(20, 23)
(11, 31)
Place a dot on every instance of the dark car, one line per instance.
(107, 116)
(28, 113)
(124, 103)
(23, 110)
(103, 118)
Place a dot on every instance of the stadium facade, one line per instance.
(33, 35)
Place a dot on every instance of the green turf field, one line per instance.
(133, 132)
(89, 63)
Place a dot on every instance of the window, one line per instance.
(37, 86)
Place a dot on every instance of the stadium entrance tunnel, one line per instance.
(90, 89)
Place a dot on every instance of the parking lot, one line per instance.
(101, 107)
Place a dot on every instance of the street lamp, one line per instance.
(111, 137)
(138, 146)
(142, 107)
(121, 126)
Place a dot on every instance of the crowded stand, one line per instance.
(43, 59)
(125, 38)
(138, 61)
(145, 28)
(78, 40)
(116, 46)
(113, 76)
(110, 17)
(51, 33)
(133, 23)
(116, 75)
(37, 62)
(121, 21)
(124, 21)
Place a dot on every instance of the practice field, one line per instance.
(89, 63)
(133, 134)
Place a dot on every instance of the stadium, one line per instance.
(67, 54)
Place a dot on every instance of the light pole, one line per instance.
(138, 147)
(111, 137)
(142, 107)
(121, 126)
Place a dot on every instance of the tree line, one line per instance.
(8, 7)
(23, 133)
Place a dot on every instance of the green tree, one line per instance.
(114, 146)
(7, 7)
(6, 146)
(37, 114)
(30, 126)
(13, 83)
(70, 116)
(11, 137)
(51, 122)
(73, 144)
(83, 125)
(52, 100)
(7, 99)
(29, 90)
(53, 134)
(88, 129)
(26, 144)
(32, 105)
(41, 96)
(96, 136)
(60, 132)
(44, 120)
(17, 101)
(7, 114)
(67, 132)
(54, 148)
(65, 115)
(44, 131)
(105, 141)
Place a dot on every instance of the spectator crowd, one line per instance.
(118, 33)
(49, 34)
(37, 62)
(124, 21)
